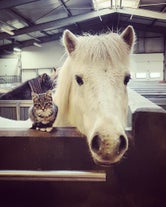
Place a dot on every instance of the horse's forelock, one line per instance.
(109, 48)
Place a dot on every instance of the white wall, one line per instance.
(149, 66)
(8, 66)
(49, 55)
(34, 60)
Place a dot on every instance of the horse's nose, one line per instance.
(96, 144)
(122, 144)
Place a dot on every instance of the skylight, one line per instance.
(99, 4)
(130, 3)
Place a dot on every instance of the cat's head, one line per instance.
(42, 100)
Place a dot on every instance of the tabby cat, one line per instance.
(43, 112)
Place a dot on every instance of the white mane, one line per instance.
(108, 47)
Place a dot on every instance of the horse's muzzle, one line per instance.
(106, 152)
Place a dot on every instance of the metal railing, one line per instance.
(15, 109)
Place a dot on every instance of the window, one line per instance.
(141, 75)
(155, 75)
(98, 4)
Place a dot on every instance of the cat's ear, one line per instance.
(49, 93)
(33, 94)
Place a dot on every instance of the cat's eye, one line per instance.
(126, 79)
(79, 80)
(47, 104)
(36, 105)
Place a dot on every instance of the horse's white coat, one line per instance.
(99, 105)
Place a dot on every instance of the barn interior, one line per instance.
(30, 46)
(31, 31)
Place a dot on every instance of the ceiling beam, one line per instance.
(122, 24)
(30, 42)
(137, 3)
(24, 20)
(67, 10)
(143, 13)
(19, 16)
(60, 23)
(144, 27)
(6, 4)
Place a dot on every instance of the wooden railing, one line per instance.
(36, 155)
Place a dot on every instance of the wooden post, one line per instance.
(164, 63)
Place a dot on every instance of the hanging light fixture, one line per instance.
(10, 32)
(37, 44)
(17, 49)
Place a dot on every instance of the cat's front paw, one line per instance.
(47, 129)
(41, 129)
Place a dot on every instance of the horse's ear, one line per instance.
(70, 41)
(128, 36)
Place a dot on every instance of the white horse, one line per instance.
(91, 92)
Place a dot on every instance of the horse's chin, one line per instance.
(103, 163)
(106, 163)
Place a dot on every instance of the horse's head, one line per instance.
(91, 93)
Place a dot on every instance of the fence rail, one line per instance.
(15, 109)
(10, 79)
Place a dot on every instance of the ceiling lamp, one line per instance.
(7, 31)
(37, 44)
(17, 49)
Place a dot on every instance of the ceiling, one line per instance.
(33, 22)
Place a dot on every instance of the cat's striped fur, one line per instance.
(43, 111)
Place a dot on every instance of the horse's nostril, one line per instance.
(95, 144)
(122, 143)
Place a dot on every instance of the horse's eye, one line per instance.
(79, 80)
(126, 79)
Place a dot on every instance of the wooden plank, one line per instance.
(35, 150)
(58, 175)
(59, 132)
